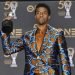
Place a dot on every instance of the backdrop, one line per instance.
(63, 17)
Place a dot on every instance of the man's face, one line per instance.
(42, 16)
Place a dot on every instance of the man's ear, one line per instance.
(49, 17)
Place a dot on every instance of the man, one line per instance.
(44, 46)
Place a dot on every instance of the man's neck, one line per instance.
(42, 28)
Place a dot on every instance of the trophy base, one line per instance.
(67, 17)
(13, 65)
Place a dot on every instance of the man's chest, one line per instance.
(39, 41)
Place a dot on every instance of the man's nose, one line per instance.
(41, 14)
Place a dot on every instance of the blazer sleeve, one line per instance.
(10, 47)
(63, 54)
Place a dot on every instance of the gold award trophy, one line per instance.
(67, 5)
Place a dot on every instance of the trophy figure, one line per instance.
(67, 5)
(13, 6)
(13, 63)
(71, 54)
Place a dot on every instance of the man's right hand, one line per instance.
(7, 25)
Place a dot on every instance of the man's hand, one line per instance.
(7, 25)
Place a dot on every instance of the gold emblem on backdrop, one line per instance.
(31, 8)
(7, 59)
(10, 9)
(17, 33)
(64, 8)
(71, 55)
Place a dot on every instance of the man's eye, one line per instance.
(37, 13)
(45, 12)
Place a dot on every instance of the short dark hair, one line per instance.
(43, 5)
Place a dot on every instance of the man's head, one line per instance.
(42, 13)
(44, 6)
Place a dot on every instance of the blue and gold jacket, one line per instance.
(52, 56)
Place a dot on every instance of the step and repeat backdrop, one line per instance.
(62, 17)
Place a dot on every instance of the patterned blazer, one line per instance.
(50, 60)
